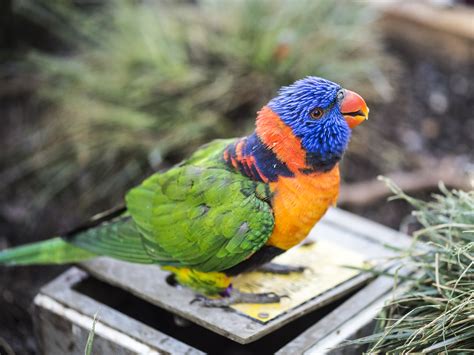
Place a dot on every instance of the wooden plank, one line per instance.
(60, 332)
(149, 282)
(325, 263)
(59, 305)
(351, 316)
(151, 286)
(365, 229)
(329, 324)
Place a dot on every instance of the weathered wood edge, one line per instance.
(366, 229)
(60, 290)
(345, 320)
(231, 324)
(335, 319)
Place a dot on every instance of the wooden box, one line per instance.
(140, 312)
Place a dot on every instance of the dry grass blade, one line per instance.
(436, 315)
(90, 338)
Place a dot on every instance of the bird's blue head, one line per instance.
(320, 114)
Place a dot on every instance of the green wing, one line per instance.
(201, 214)
(198, 214)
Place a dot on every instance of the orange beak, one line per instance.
(354, 109)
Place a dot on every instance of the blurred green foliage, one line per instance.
(143, 83)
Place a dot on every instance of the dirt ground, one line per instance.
(431, 114)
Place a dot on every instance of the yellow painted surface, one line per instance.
(325, 261)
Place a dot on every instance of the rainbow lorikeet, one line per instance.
(234, 204)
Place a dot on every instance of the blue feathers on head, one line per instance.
(325, 138)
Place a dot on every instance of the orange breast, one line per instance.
(299, 202)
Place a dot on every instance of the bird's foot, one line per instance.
(236, 297)
(280, 269)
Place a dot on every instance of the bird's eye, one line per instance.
(316, 113)
(340, 95)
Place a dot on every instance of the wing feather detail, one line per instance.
(201, 215)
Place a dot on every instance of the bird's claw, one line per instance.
(198, 299)
(239, 297)
(279, 269)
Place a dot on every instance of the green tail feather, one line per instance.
(51, 251)
(118, 238)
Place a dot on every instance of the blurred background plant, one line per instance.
(139, 85)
